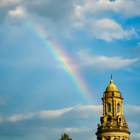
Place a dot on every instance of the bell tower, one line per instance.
(113, 125)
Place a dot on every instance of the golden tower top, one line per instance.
(112, 90)
(113, 125)
(111, 86)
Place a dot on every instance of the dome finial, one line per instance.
(111, 77)
(111, 81)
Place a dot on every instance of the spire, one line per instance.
(111, 81)
(111, 76)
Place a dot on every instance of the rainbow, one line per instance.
(66, 63)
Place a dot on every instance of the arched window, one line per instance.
(108, 107)
(118, 107)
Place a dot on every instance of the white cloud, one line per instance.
(108, 30)
(20, 117)
(135, 135)
(100, 7)
(132, 112)
(132, 107)
(133, 125)
(105, 29)
(42, 114)
(63, 9)
(76, 130)
(70, 12)
(8, 2)
(53, 113)
(104, 62)
(84, 110)
(79, 111)
(70, 120)
(18, 12)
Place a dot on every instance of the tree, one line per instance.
(65, 137)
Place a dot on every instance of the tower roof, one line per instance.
(111, 86)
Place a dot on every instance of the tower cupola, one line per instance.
(111, 86)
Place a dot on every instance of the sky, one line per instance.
(56, 59)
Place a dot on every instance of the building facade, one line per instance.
(113, 125)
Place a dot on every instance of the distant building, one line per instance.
(113, 125)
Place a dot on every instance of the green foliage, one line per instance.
(65, 137)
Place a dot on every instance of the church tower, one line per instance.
(113, 125)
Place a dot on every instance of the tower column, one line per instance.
(104, 107)
(122, 107)
(121, 138)
(111, 138)
(103, 138)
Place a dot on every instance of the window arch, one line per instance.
(118, 107)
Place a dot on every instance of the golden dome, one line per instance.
(111, 86)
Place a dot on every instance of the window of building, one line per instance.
(108, 107)
(118, 107)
